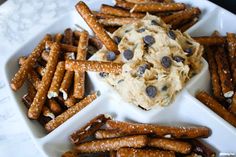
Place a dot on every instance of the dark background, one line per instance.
(227, 4)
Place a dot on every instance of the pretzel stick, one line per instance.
(176, 132)
(232, 107)
(47, 112)
(187, 25)
(20, 76)
(158, 7)
(210, 41)
(99, 15)
(64, 47)
(68, 36)
(53, 124)
(21, 60)
(201, 149)
(215, 80)
(34, 79)
(40, 98)
(100, 32)
(102, 134)
(71, 100)
(92, 40)
(40, 70)
(169, 144)
(66, 83)
(57, 80)
(131, 152)
(224, 73)
(119, 21)
(106, 9)
(89, 129)
(54, 107)
(79, 76)
(149, 1)
(45, 55)
(216, 107)
(104, 145)
(96, 66)
(58, 37)
(231, 40)
(69, 154)
(124, 4)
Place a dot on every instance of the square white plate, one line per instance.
(184, 110)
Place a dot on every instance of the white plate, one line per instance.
(184, 110)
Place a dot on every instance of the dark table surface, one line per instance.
(227, 4)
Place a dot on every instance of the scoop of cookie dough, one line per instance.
(157, 61)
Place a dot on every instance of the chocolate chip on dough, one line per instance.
(153, 22)
(111, 56)
(117, 39)
(171, 35)
(188, 51)
(141, 30)
(166, 62)
(178, 59)
(151, 91)
(128, 54)
(149, 40)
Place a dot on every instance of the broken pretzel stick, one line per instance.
(119, 21)
(89, 129)
(158, 7)
(215, 80)
(210, 41)
(57, 80)
(54, 106)
(100, 32)
(201, 149)
(112, 10)
(79, 76)
(47, 112)
(58, 37)
(96, 66)
(132, 152)
(53, 124)
(64, 47)
(71, 100)
(187, 25)
(40, 98)
(20, 76)
(231, 40)
(170, 144)
(224, 72)
(159, 130)
(136, 141)
(216, 107)
(102, 134)
(45, 55)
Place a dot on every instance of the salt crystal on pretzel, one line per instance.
(69, 154)
(132, 152)
(116, 11)
(170, 144)
(71, 100)
(54, 106)
(231, 40)
(187, 25)
(100, 32)
(158, 7)
(124, 4)
(102, 134)
(159, 130)
(224, 73)
(210, 41)
(89, 129)
(216, 107)
(58, 37)
(79, 76)
(53, 124)
(96, 66)
(136, 141)
(45, 55)
(92, 40)
(40, 98)
(201, 149)
(57, 80)
(215, 80)
(64, 47)
(20, 76)
(118, 21)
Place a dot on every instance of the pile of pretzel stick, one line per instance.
(220, 53)
(55, 94)
(108, 137)
(178, 15)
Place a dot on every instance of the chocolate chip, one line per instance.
(111, 56)
(178, 59)
(142, 108)
(103, 74)
(149, 40)
(126, 31)
(153, 22)
(142, 69)
(164, 88)
(141, 30)
(151, 91)
(188, 51)
(117, 39)
(171, 35)
(128, 54)
(121, 80)
(166, 62)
